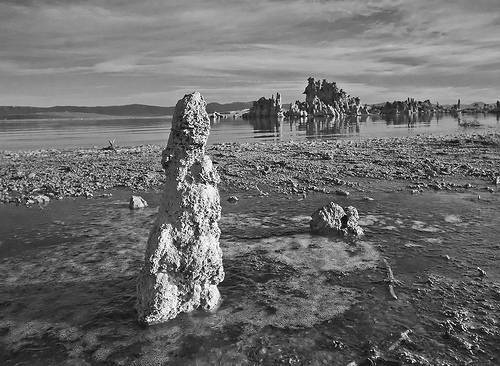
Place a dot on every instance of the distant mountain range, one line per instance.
(130, 110)
(142, 110)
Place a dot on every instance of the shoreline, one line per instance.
(454, 162)
(83, 118)
(75, 116)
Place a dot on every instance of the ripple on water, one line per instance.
(453, 219)
(368, 220)
(422, 226)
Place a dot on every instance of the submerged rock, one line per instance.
(183, 262)
(327, 219)
(137, 202)
(350, 224)
(342, 192)
(232, 199)
(333, 219)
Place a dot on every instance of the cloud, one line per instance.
(61, 50)
(117, 65)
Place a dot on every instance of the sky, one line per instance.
(108, 52)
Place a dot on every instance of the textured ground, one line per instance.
(416, 163)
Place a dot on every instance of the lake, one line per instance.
(69, 133)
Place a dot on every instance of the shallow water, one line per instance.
(67, 282)
(62, 133)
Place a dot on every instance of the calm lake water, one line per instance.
(67, 133)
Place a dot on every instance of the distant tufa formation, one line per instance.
(183, 261)
(323, 99)
(412, 107)
(326, 99)
(409, 107)
(265, 107)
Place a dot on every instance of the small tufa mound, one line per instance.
(137, 202)
(333, 219)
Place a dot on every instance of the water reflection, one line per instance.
(410, 119)
(315, 127)
(37, 134)
(272, 125)
(369, 126)
(332, 126)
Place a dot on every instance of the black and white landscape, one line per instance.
(270, 182)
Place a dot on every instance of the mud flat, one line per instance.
(454, 162)
(68, 268)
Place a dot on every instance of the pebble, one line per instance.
(338, 182)
(18, 175)
(137, 202)
(232, 199)
(482, 273)
(41, 199)
(341, 192)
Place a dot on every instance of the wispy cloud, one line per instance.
(58, 52)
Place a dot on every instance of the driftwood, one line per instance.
(391, 281)
(261, 192)
(403, 338)
(111, 146)
(377, 358)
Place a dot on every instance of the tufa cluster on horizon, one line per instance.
(323, 99)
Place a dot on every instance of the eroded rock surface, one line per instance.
(266, 108)
(137, 202)
(183, 262)
(333, 219)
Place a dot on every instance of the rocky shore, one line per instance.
(455, 162)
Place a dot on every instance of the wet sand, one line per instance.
(68, 268)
